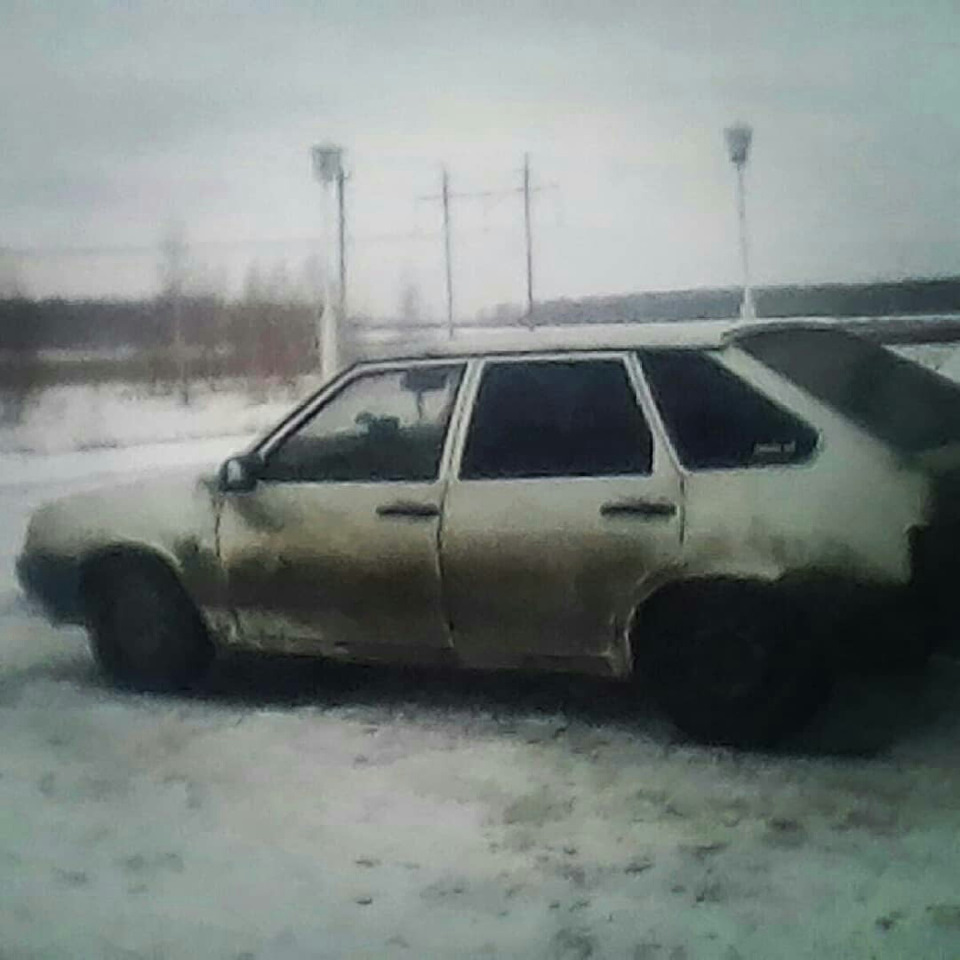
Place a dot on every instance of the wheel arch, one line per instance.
(831, 605)
(668, 590)
(731, 659)
(94, 562)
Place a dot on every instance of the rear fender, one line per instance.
(628, 621)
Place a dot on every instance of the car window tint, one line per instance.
(718, 421)
(556, 419)
(893, 399)
(382, 426)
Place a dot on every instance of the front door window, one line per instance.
(381, 427)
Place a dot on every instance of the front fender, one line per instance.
(171, 521)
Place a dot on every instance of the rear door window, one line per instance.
(556, 418)
(717, 420)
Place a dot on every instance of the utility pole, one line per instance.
(328, 168)
(738, 138)
(342, 245)
(446, 250)
(446, 196)
(529, 236)
(174, 269)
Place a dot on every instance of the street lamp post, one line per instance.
(328, 169)
(739, 137)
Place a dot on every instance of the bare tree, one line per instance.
(312, 292)
(174, 276)
(206, 331)
(20, 362)
(11, 279)
(411, 302)
(246, 328)
(20, 338)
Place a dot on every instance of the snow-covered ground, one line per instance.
(300, 810)
(297, 810)
(78, 417)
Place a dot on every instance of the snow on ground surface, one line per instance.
(300, 810)
(95, 416)
(295, 810)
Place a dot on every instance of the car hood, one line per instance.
(174, 515)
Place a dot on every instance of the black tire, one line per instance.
(896, 640)
(145, 631)
(731, 662)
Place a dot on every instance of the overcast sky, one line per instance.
(121, 119)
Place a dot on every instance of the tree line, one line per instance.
(252, 332)
(169, 343)
(270, 332)
(939, 295)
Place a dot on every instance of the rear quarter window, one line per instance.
(718, 421)
(896, 401)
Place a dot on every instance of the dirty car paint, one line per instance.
(313, 567)
(521, 573)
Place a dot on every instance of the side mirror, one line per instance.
(239, 474)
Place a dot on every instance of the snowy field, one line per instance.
(79, 417)
(299, 810)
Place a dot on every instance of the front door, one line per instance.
(564, 505)
(335, 550)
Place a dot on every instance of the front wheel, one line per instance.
(145, 631)
(730, 662)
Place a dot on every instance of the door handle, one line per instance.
(650, 509)
(408, 508)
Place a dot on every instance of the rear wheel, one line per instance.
(145, 631)
(731, 662)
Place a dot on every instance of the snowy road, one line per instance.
(297, 811)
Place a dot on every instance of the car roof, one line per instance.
(394, 344)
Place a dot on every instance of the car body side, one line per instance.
(836, 527)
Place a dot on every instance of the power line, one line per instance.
(55, 251)
(152, 249)
(444, 197)
(528, 233)
(525, 190)
(446, 247)
(143, 249)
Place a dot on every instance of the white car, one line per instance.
(729, 512)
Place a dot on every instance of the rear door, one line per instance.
(562, 505)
